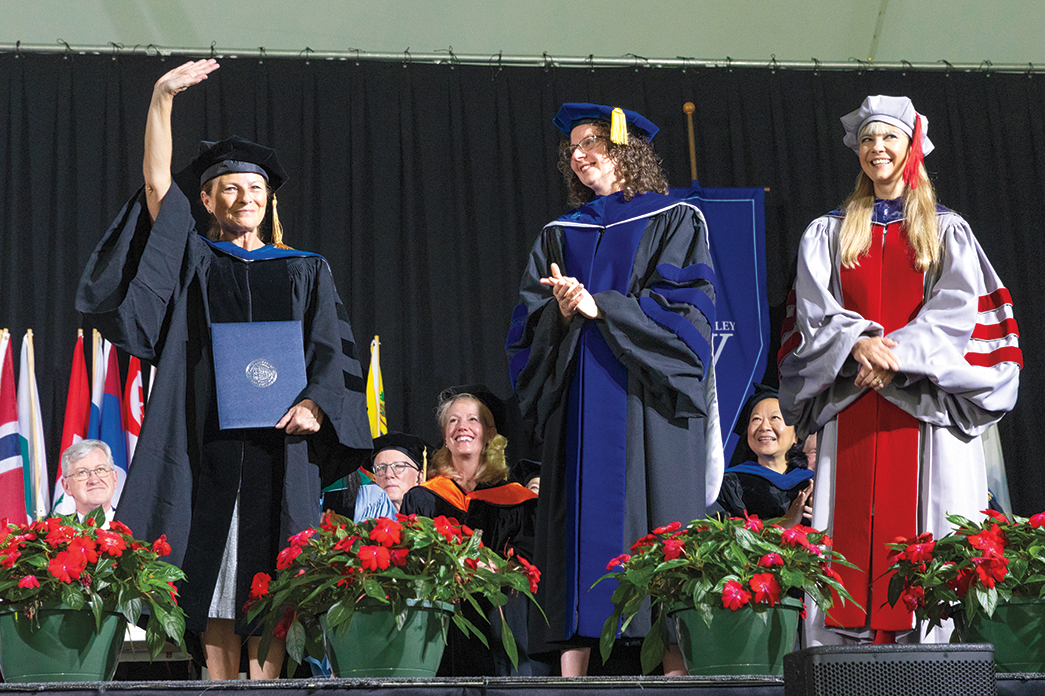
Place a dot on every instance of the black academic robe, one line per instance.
(619, 403)
(153, 290)
(761, 491)
(505, 513)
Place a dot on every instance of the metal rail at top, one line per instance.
(545, 60)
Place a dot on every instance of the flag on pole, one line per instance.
(375, 392)
(77, 417)
(111, 428)
(133, 406)
(31, 434)
(12, 483)
(97, 384)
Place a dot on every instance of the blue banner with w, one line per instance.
(740, 337)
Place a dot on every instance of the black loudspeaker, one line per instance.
(891, 670)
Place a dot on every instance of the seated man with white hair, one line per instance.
(89, 477)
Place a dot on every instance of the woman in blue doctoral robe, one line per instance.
(610, 356)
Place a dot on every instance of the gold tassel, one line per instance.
(277, 229)
(424, 462)
(618, 127)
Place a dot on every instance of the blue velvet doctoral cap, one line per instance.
(235, 155)
(573, 114)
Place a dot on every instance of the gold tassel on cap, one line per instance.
(618, 127)
(277, 229)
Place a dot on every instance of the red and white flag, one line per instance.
(12, 484)
(133, 406)
(77, 417)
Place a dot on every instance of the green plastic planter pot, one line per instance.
(1017, 632)
(373, 646)
(60, 645)
(738, 642)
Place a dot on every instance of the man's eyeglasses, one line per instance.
(399, 468)
(84, 474)
(585, 145)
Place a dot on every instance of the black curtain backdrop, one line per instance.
(424, 186)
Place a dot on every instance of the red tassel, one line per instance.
(915, 157)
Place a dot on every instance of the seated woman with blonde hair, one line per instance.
(469, 482)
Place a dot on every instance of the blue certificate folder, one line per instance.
(259, 371)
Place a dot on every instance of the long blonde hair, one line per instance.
(919, 212)
(492, 465)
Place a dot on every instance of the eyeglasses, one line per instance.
(399, 468)
(585, 145)
(84, 474)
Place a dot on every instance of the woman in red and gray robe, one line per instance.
(900, 348)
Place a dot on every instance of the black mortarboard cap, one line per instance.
(762, 392)
(573, 114)
(489, 399)
(524, 470)
(410, 445)
(234, 155)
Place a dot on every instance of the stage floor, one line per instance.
(748, 685)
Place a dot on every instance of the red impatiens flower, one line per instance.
(752, 522)
(667, 529)
(647, 540)
(830, 572)
(346, 543)
(913, 598)
(110, 543)
(996, 515)
(531, 572)
(387, 532)
(259, 586)
(991, 569)
(120, 528)
(623, 558)
(173, 592)
(471, 563)
(673, 549)
(794, 537)
(771, 560)
(67, 566)
(160, 547)
(961, 583)
(1037, 521)
(399, 556)
(84, 547)
(766, 588)
(448, 527)
(408, 520)
(302, 537)
(286, 557)
(990, 541)
(29, 581)
(734, 595)
(374, 557)
(10, 555)
(57, 533)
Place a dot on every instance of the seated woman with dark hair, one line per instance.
(774, 479)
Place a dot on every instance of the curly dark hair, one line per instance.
(637, 165)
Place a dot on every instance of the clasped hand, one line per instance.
(570, 294)
(878, 364)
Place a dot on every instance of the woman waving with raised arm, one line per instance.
(227, 496)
